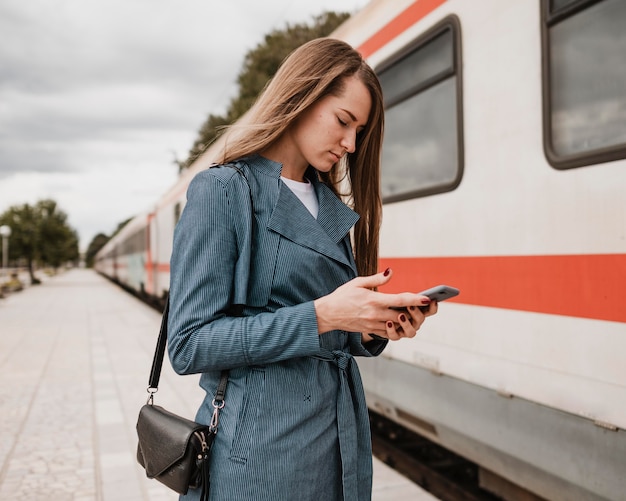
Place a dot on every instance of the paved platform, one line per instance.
(75, 353)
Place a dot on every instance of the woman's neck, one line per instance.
(285, 152)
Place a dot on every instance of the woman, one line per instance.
(263, 284)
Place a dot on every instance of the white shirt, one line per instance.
(305, 192)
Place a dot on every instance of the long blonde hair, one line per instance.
(311, 72)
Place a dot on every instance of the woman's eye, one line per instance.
(342, 122)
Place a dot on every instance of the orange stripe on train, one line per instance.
(585, 286)
(403, 21)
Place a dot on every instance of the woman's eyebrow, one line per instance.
(354, 119)
(349, 113)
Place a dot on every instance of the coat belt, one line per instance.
(352, 425)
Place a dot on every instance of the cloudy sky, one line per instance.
(98, 97)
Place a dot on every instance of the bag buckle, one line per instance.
(217, 406)
(151, 391)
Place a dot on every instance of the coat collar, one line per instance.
(292, 220)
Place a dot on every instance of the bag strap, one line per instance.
(159, 352)
(157, 365)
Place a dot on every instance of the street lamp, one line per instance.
(5, 233)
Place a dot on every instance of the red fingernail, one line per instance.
(402, 318)
(389, 325)
(387, 271)
(426, 301)
(411, 308)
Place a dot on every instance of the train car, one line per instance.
(504, 174)
(124, 258)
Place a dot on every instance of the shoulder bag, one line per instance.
(172, 449)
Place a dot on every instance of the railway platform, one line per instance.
(75, 353)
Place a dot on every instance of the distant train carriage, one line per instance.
(125, 256)
(504, 174)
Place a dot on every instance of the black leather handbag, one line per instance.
(172, 449)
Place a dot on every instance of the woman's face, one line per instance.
(328, 129)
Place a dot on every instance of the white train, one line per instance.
(504, 174)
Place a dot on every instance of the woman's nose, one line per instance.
(348, 142)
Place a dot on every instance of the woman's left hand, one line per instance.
(409, 320)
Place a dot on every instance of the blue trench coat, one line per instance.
(295, 424)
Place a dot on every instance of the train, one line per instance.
(503, 175)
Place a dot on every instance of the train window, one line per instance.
(134, 244)
(415, 70)
(177, 213)
(422, 150)
(584, 47)
(558, 4)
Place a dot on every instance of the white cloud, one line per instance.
(98, 98)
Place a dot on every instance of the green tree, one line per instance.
(58, 242)
(40, 233)
(24, 240)
(95, 245)
(259, 65)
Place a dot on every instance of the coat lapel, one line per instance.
(292, 220)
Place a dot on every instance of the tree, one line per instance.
(40, 233)
(58, 242)
(24, 241)
(95, 245)
(260, 64)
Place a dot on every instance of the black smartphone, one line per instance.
(437, 293)
(440, 292)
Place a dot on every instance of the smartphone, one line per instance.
(437, 293)
(440, 292)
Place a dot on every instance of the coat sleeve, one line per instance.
(370, 349)
(201, 334)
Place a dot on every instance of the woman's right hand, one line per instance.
(355, 307)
